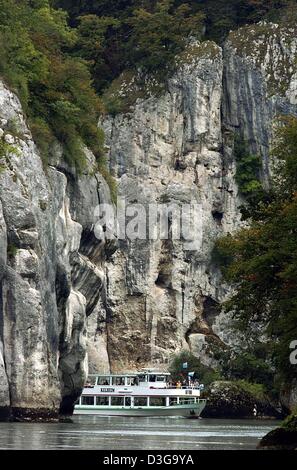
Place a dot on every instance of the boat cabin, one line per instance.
(153, 379)
(146, 379)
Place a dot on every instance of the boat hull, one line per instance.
(188, 411)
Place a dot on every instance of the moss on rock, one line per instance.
(235, 400)
(199, 50)
(268, 46)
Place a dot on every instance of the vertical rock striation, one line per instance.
(51, 274)
(260, 74)
(177, 147)
(162, 295)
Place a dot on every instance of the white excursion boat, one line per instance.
(143, 394)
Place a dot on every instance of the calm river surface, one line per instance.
(114, 433)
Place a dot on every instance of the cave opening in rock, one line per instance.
(163, 280)
(218, 216)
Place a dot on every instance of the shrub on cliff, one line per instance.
(54, 86)
(261, 262)
(237, 400)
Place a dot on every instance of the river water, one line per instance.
(125, 433)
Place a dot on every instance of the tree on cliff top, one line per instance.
(157, 36)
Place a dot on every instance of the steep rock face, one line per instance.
(163, 294)
(178, 148)
(46, 264)
(260, 75)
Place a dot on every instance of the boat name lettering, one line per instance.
(107, 389)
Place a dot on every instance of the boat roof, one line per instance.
(112, 375)
(133, 374)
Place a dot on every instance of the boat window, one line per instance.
(140, 401)
(102, 401)
(157, 401)
(161, 378)
(127, 401)
(172, 401)
(152, 378)
(186, 401)
(118, 381)
(87, 401)
(103, 381)
(117, 401)
(131, 380)
(142, 378)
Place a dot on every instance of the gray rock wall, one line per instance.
(51, 274)
(178, 147)
(170, 149)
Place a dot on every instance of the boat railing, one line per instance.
(184, 387)
(168, 387)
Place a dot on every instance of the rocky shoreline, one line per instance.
(230, 400)
(282, 438)
(29, 415)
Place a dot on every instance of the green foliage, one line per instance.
(110, 180)
(95, 46)
(135, 35)
(248, 176)
(5, 150)
(285, 153)
(221, 15)
(123, 36)
(250, 367)
(13, 128)
(158, 36)
(256, 389)
(290, 423)
(55, 87)
(117, 37)
(43, 135)
(11, 250)
(125, 90)
(204, 374)
(261, 261)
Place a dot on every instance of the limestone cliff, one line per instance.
(63, 292)
(51, 274)
(178, 147)
(163, 297)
